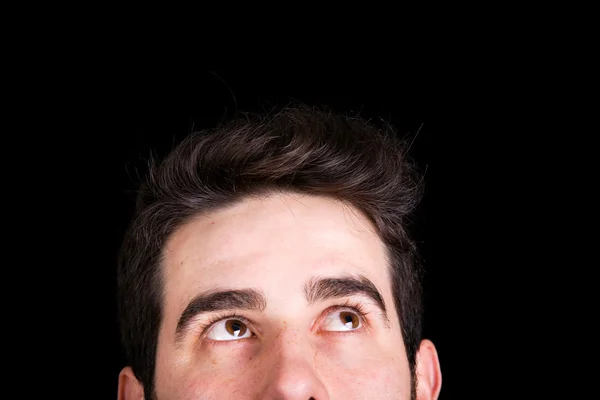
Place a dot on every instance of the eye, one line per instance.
(342, 320)
(229, 329)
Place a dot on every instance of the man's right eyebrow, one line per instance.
(211, 301)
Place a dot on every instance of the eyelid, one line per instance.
(206, 327)
(356, 308)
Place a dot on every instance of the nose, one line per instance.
(292, 373)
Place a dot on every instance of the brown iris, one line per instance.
(235, 328)
(349, 318)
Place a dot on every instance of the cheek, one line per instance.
(356, 364)
(218, 372)
(196, 382)
(368, 366)
(370, 378)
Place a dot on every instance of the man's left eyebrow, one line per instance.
(324, 288)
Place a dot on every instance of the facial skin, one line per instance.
(307, 267)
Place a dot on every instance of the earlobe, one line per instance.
(129, 387)
(429, 375)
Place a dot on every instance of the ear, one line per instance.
(129, 387)
(429, 375)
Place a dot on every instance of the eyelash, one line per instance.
(356, 307)
(205, 327)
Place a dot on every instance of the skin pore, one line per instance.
(281, 297)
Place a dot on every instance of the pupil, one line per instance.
(348, 318)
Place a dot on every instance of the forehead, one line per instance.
(273, 243)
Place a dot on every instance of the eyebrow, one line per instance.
(321, 289)
(317, 289)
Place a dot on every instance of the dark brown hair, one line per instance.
(298, 149)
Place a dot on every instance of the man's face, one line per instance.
(277, 298)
